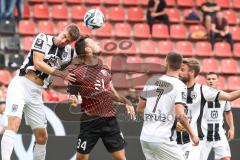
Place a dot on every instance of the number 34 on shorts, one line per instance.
(81, 144)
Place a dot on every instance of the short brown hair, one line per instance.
(73, 31)
(193, 64)
(174, 60)
(209, 73)
(80, 45)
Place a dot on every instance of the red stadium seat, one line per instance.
(230, 16)
(197, 28)
(5, 77)
(130, 2)
(27, 43)
(129, 47)
(50, 96)
(223, 3)
(235, 32)
(174, 15)
(233, 83)
(116, 14)
(236, 103)
(203, 49)
(138, 80)
(171, 3)
(102, 9)
(134, 64)
(135, 14)
(74, 1)
(160, 31)
(178, 31)
(147, 47)
(164, 47)
(200, 2)
(185, 3)
(37, 1)
(120, 81)
(84, 29)
(122, 30)
(141, 30)
(55, 1)
(236, 4)
(222, 83)
(26, 27)
(26, 11)
(93, 2)
(46, 27)
(210, 65)
(185, 48)
(229, 66)
(200, 79)
(144, 2)
(78, 12)
(41, 11)
(111, 2)
(222, 49)
(109, 46)
(153, 64)
(60, 12)
(61, 25)
(104, 31)
(236, 51)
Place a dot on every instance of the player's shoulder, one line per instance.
(42, 36)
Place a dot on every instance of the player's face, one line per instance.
(212, 80)
(219, 15)
(184, 74)
(63, 39)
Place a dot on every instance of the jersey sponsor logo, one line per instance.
(39, 43)
(193, 94)
(163, 117)
(14, 107)
(214, 114)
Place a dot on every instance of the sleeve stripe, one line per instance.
(180, 103)
(38, 51)
(217, 96)
(143, 98)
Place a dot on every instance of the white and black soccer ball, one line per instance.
(94, 18)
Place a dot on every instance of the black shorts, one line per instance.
(105, 128)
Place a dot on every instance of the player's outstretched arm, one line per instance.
(117, 98)
(229, 119)
(39, 64)
(231, 96)
(184, 122)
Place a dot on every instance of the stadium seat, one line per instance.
(41, 11)
(171, 3)
(37, 1)
(134, 64)
(200, 79)
(84, 29)
(50, 95)
(104, 31)
(222, 83)
(74, 1)
(229, 66)
(5, 76)
(174, 15)
(130, 2)
(101, 8)
(116, 13)
(233, 83)
(12, 43)
(26, 27)
(61, 25)
(109, 46)
(187, 12)
(128, 47)
(160, 31)
(185, 3)
(2, 61)
(141, 30)
(46, 27)
(147, 47)
(231, 17)
(210, 65)
(203, 49)
(26, 11)
(194, 29)
(93, 2)
(164, 47)
(235, 32)
(78, 12)
(222, 49)
(153, 64)
(111, 2)
(135, 14)
(185, 48)
(236, 4)
(122, 30)
(236, 51)
(120, 81)
(15, 61)
(223, 3)
(138, 80)
(178, 31)
(144, 2)
(55, 1)
(7, 27)
(60, 12)
(200, 2)
(27, 43)
(118, 62)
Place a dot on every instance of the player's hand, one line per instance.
(195, 140)
(230, 134)
(180, 128)
(131, 111)
(70, 77)
(73, 101)
(140, 111)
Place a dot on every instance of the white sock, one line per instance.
(39, 152)
(7, 144)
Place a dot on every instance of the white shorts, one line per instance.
(221, 149)
(25, 96)
(162, 151)
(192, 152)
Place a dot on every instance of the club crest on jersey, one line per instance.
(14, 107)
(214, 114)
(64, 55)
(184, 96)
(193, 95)
(39, 43)
(104, 72)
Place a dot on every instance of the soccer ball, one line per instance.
(94, 18)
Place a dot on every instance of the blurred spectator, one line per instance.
(209, 9)
(220, 29)
(3, 91)
(9, 14)
(2, 8)
(156, 11)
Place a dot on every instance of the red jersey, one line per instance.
(95, 90)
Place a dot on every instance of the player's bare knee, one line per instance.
(13, 124)
(41, 136)
(225, 158)
(82, 156)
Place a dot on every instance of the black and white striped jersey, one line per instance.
(197, 97)
(54, 56)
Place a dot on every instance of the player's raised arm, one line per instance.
(117, 98)
(231, 96)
